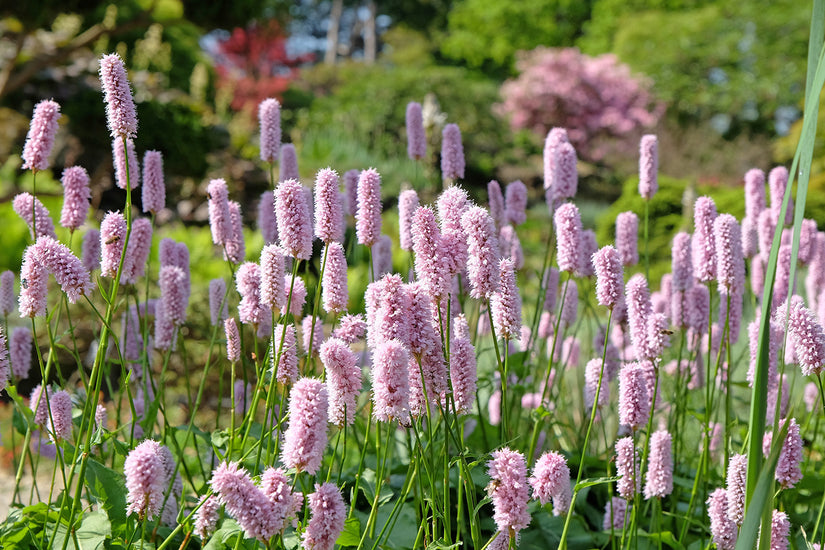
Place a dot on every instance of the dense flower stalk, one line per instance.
(587, 247)
(288, 166)
(788, 471)
(754, 193)
(68, 270)
(299, 295)
(335, 292)
(267, 221)
(206, 518)
(566, 174)
(569, 308)
(703, 242)
(807, 241)
(22, 205)
(20, 352)
(233, 340)
(153, 192)
(463, 370)
(495, 202)
(614, 514)
(7, 296)
(452, 204)
(33, 291)
(416, 138)
(511, 246)
(327, 521)
(329, 212)
(382, 256)
(269, 120)
(627, 237)
(750, 237)
(551, 477)
(509, 490)
(272, 273)
(248, 282)
(235, 247)
(634, 398)
(516, 202)
(607, 263)
(343, 378)
(659, 481)
(568, 236)
(552, 142)
(722, 529)
(294, 220)
(121, 115)
(682, 262)
(407, 205)
(780, 530)
(76, 196)
(807, 338)
(306, 436)
(219, 222)
(390, 384)
(243, 500)
(452, 153)
(60, 422)
(736, 478)
(287, 364)
(173, 293)
(218, 302)
(483, 252)
(351, 328)
(648, 166)
(137, 251)
(506, 303)
(144, 480)
(627, 468)
(730, 261)
(40, 139)
(368, 216)
(777, 182)
(351, 191)
(125, 175)
(431, 265)
(312, 332)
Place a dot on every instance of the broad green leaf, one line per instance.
(351, 535)
(109, 488)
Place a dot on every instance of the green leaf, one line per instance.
(594, 481)
(108, 487)
(92, 533)
(666, 537)
(441, 544)
(351, 535)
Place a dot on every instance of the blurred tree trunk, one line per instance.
(370, 42)
(332, 32)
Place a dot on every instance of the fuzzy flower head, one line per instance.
(20, 352)
(483, 252)
(627, 237)
(7, 297)
(267, 221)
(288, 166)
(287, 362)
(334, 289)
(351, 192)
(568, 236)
(516, 202)
(634, 400)
(243, 500)
(682, 263)
(219, 222)
(431, 265)
(627, 468)
(703, 243)
(506, 303)
(121, 115)
(495, 202)
(145, 480)
(552, 142)
(463, 372)
(137, 251)
(778, 182)
(343, 376)
(722, 529)
(153, 192)
(125, 174)
(33, 285)
(730, 261)
(329, 212)
(68, 270)
(233, 340)
(235, 247)
(407, 205)
(566, 174)
(754, 193)
(206, 518)
(607, 263)
(40, 139)
(272, 270)
(614, 514)
(660, 466)
(648, 166)
(390, 384)
(269, 119)
(76, 196)
(306, 437)
(807, 338)
(788, 471)
(736, 479)
(294, 220)
(551, 477)
(327, 521)
(509, 490)
(368, 216)
(25, 205)
(452, 153)
(416, 138)
(351, 328)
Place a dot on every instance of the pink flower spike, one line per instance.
(351, 191)
(219, 211)
(7, 296)
(137, 251)
(67, 269)
(495, 202)
(483, 252)
(566, 174)
(233, 340)
(235, 247)
(121, 115)
(343, 376)
(272, 270)
(313, 336)
(627, 237)
(780, 531)
(145, 480)
(660, 466)
(516, 202)
(568, 236)
(40, 139)
(20, 352)
(722, 529)
(122, 175)
(569, 308)
(703, 243)
(248, 283)
(351, 328)
(614, 514)
(730, 261)
(750, 237)
(736, 478)
(288, 167)
(329, 213)
(452, 153)
(555, 138)
(788, 471)
(509, 490)
(754, 193)
(294, 220)
(153, 193)
(648, 166)
(91, 250)
(506, 303)
(218, 301)
(287, 363)
(463, 371)
(33, 283)
(390, 385)
(206, 518)
(609, 276)
(682, 263)
(407, 205)
(382, 256)
(173, 294)
(431, 267)
(334, 289)
(267, 222)
(777, 182)
(244, 501)
(368, 216)
(806, 335)
(626, 457)
(5, 367)
(551, 477)
(327, 521)
(76, 196)
(634, 399)
(60, 422)
(306, 437)
(807, 241)
(511, 246)
(416, 138)
(22, 205)
(298, 298)
(269, 120)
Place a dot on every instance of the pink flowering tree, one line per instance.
(603, 106)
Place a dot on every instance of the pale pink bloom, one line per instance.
(811, 396)
(272, 277)
(566, 177)
(551, 477)
(295, 295)
(551, 289)
(463, 372)
(388, 303)
(125, 174)
(234, 247)
(511, 246)
(22, 205)
(20, 352)
(730, 261)
(60, 421)
(639, 311)
(174, 299)
(343, 378)
(754, 193)
(682, 264)
(777, 182)
(382, 256)
(153, 193)
(506, 303)
(306, 437)
(423, 320)
(269, 120)
(765, 228)
(807, 241)
(233, 340)
(737, 474)
(452, 153)
(568, 236)
(516, 202)
(312, 336)
(144, 480)
(627, 237)
(288, 166)
(248, 283)
(40, 139)
(452, 204)
(416, 138)
(780, 530)
(607, 264)
(390, 382)
(67, 269)
(788, 472)
(495, 202)
(206, 518)
(334, 289)
(351, 191)
(219, 222)
(76, 196)
(483, 252)
(587, 247)
(427, 374)
(509, 490)
(552, 142)
(351, 328)
(287, 362)
(368, 216)
(327, 521)
(218, 301)
(634, 399)
(329, 214)
(648, 166)
(294, 220)
(33, 283)
(703, 242)
(570, 304)
(699, 308)
(267, 222)
(407, 205)
(722, 529)
(627, 468)
(244, 501)
(112, 235)
(277, 488)
(7, 297)
(121, 115)
(137, 251)
(614, 514)
(592, 372)
(659, 481)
